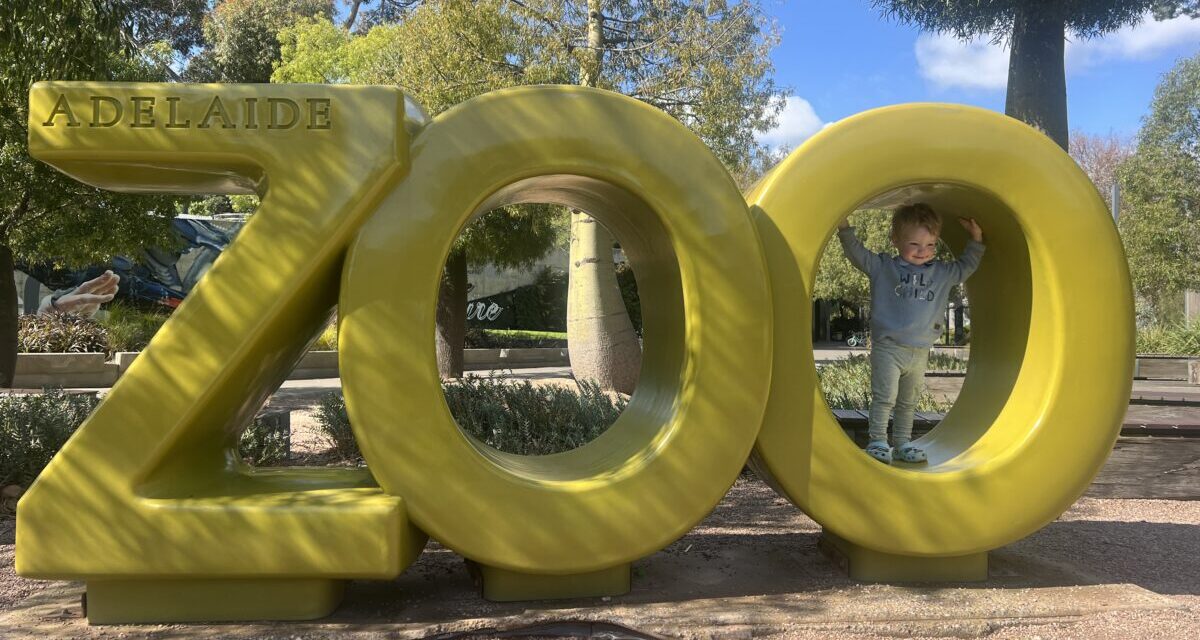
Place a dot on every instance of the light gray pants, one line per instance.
(897, 380)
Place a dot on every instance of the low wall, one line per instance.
(37, 370)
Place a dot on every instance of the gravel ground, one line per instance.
(1106, 569)
(752, 569)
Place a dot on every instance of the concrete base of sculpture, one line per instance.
(501, 585)
(869, 565)
(219, 600)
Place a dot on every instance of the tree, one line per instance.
(241, 38)
(1099, 157)
(1036, 33)
(444, 53)
(704, 62)
(1160, 186)
(45, 216)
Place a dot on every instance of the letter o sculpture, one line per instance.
(689, 426)
(1051, 335)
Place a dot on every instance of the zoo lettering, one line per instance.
(171, 112)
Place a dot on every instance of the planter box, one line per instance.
(37, 370)
(316, 364)
(487, 359)
(1156, 367)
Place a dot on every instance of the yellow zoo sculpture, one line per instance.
(362, 196)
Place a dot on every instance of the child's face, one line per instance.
(916, 246)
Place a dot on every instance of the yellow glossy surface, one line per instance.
(678, 446)
(361, 204)
(151, 486)
(1052, 331)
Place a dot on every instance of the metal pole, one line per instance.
(1116, 200)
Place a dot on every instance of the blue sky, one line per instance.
(842, 57)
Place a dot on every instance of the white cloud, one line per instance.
(978, 64)
(1148, 39)
(797, 122)
(949, 62)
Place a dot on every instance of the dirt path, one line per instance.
(1106, 569)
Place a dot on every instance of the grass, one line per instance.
(1173, 340)
(130, 328)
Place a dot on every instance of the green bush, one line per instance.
(130, 328)
(945, 362)
(334, 424)
(514, 339)
(516, 418)
(60, 333)
(1174, 339)
(263, 443)
(327, 341)
(523, 419)
(34, 427)
(846, 384)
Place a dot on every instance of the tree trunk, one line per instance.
(353, 15)
(452, 317)
(1037, 80)
(603, 345)
(8, 319)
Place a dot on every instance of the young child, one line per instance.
(908, 302)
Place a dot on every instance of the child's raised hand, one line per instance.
(972, 228)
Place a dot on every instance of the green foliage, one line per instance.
(242, 38)
(327, 341)
(1174, 340)
(945, 362)
(44, 215)
(522, 419)
(516, 418)
(60, 333)
(969, 18)
(264, 443)
(837, 279)
(334, 423)
(846, 384)
(1160, 182)
(129, 327)
(34, 427)
(514, 339)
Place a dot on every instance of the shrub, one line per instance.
(946, 362)
(130, 328)
(34, 427)
(516, 418)
(264, 442)
(1174, 339)
(327, 341)
(527, 420)
(513, 339)
(334, 423)
(60, 333)
(846, 384)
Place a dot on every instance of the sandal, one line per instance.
(909, 452)
(880, 450)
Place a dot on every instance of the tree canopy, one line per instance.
(1160, 183)
(1035, 31)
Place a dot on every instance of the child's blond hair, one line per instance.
(913, 216)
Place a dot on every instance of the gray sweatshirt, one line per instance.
(908, 302)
